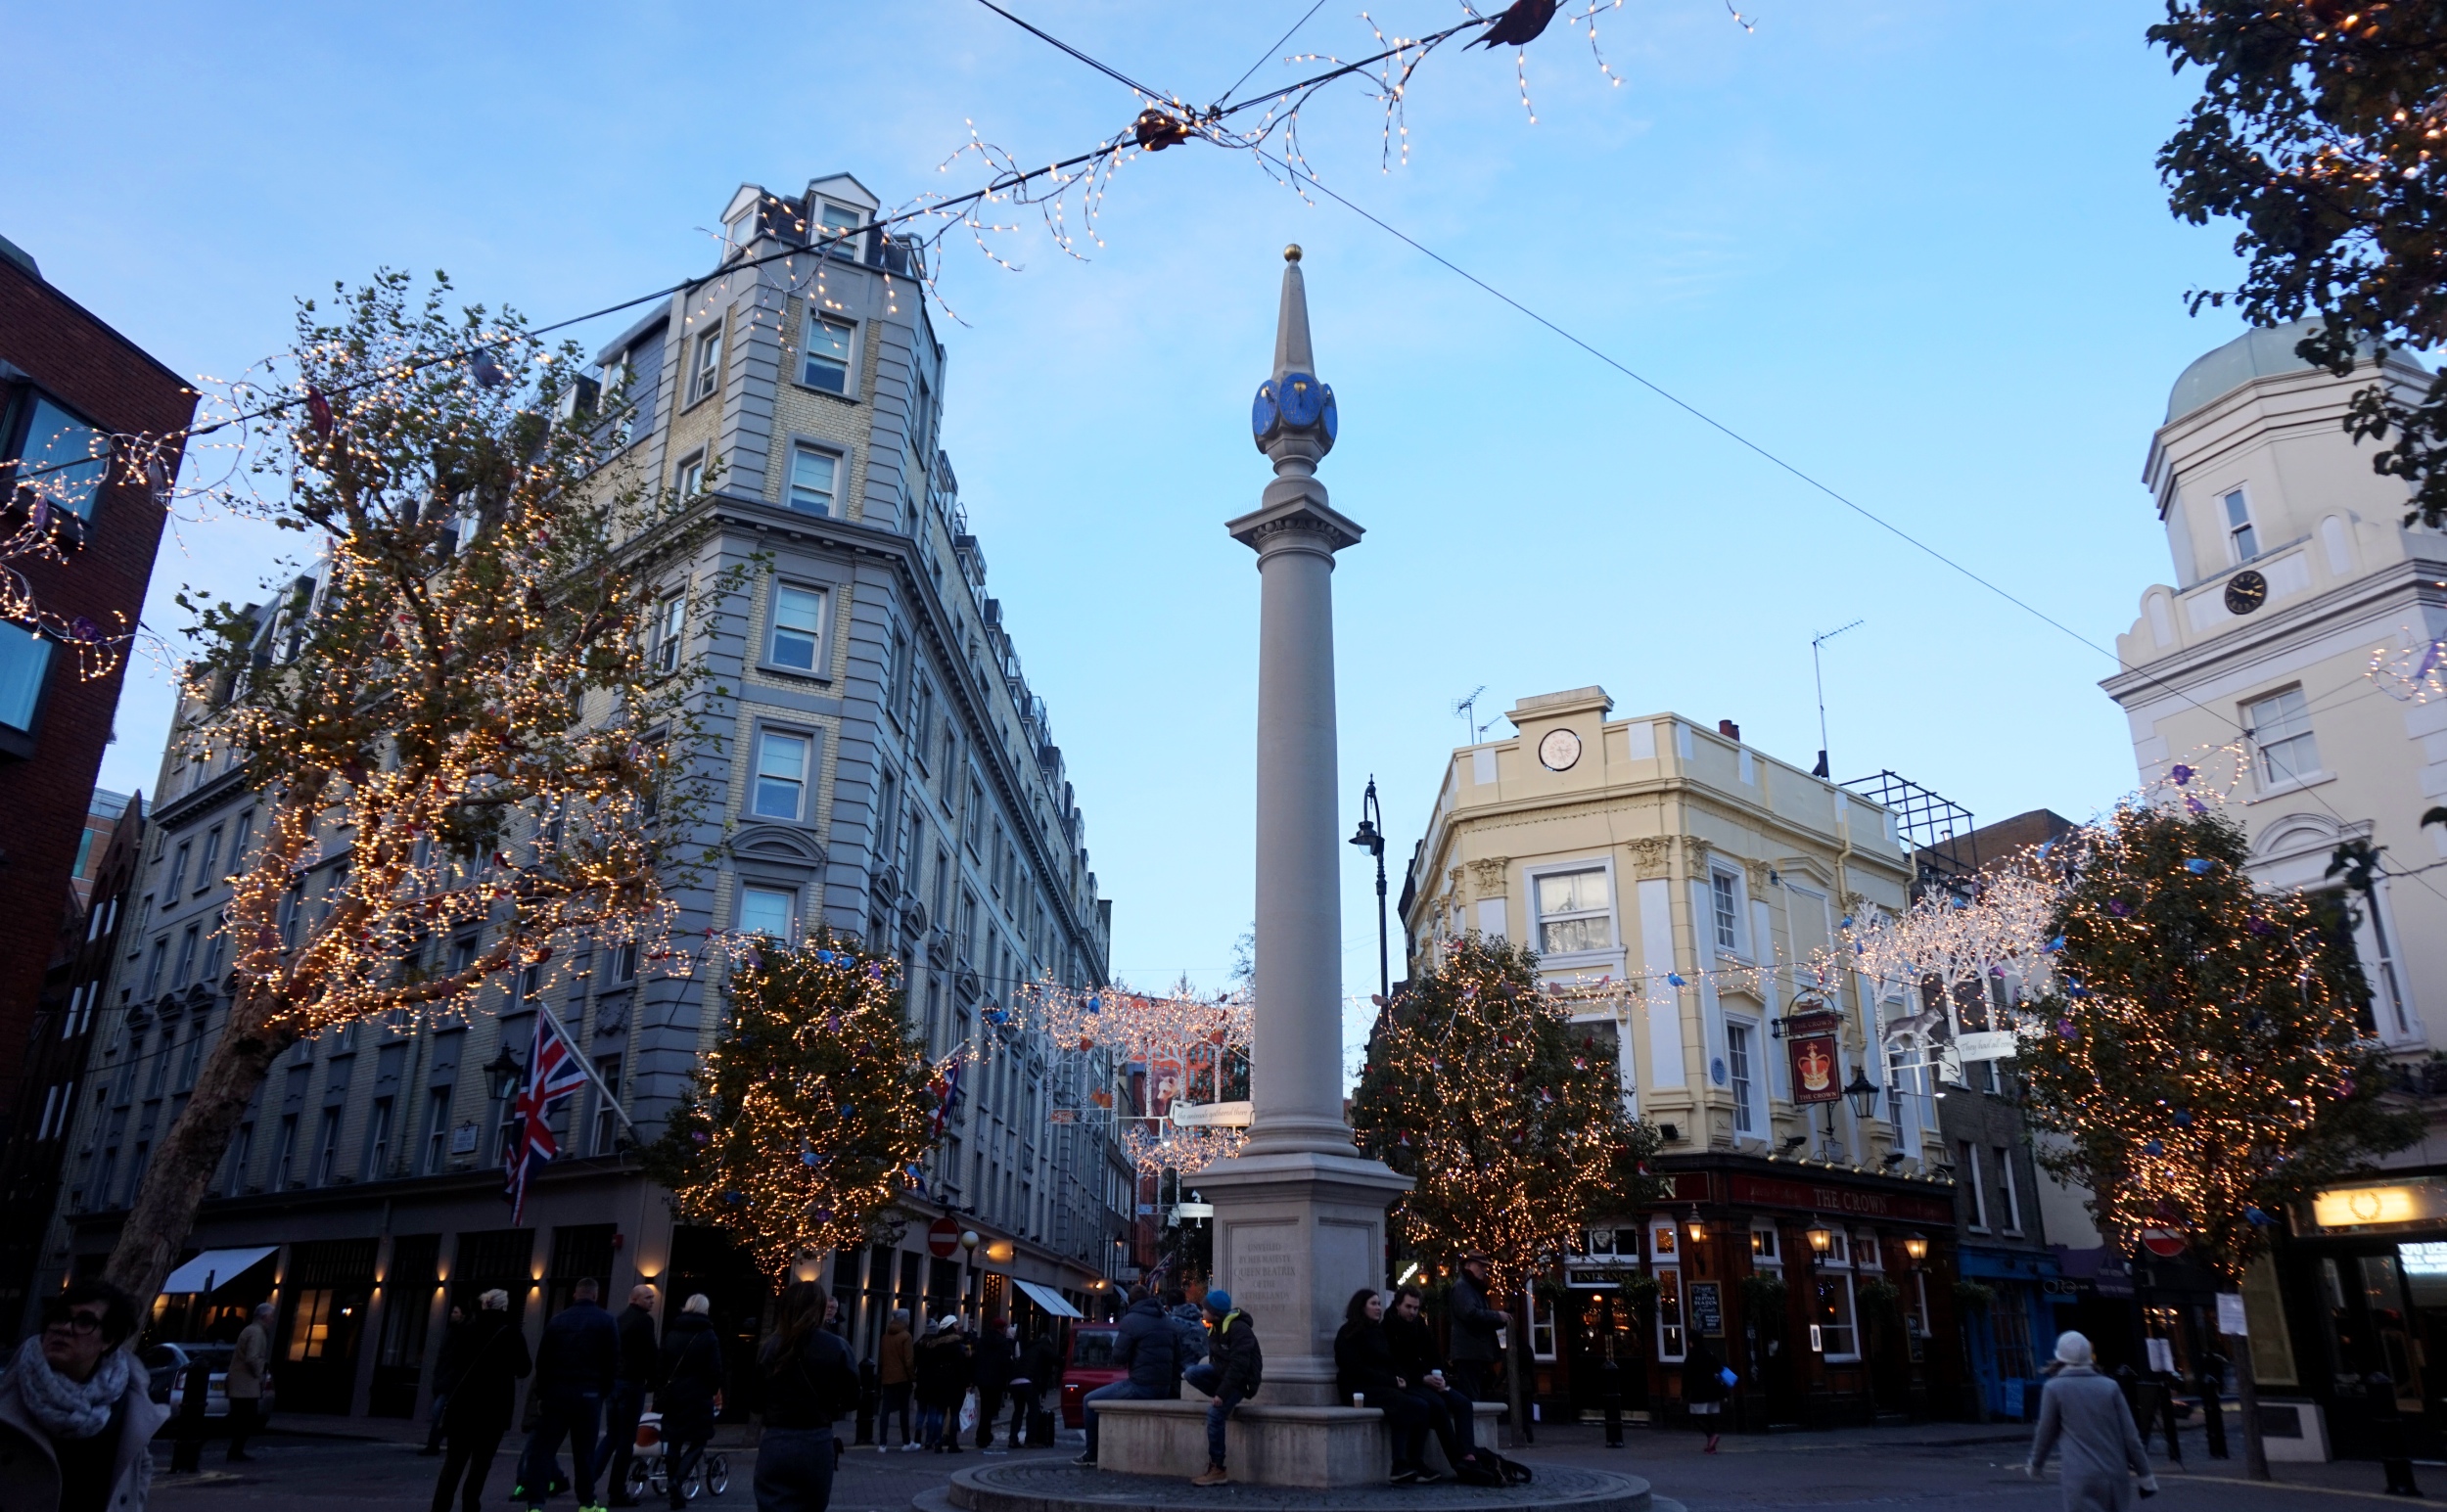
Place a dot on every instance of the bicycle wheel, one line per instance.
(718, 1474)
(641, 1477)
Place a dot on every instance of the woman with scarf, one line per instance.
(77, 1414)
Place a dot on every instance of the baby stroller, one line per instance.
(649, 1471)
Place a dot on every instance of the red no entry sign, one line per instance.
(942, 1238)
(2164, 1242)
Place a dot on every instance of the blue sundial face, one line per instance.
(1332, 422)
(1262, 413)
(1301, 397)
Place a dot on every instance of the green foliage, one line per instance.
(1973, 1293)
(1880, 1298)
(2203, 1061)
(1763, 1301)
(800, 1125)
(1508, 1116)
(2317, 130)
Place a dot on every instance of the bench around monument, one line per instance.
(1264, 1444)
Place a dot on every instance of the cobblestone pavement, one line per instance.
(1924, 1465)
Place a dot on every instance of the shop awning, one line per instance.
(215, 1269)
(1047, 1298)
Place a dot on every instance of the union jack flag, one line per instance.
(553, 1073)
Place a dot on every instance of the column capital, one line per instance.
(1295, 507)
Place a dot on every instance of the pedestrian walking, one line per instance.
(1144, 1345)
(943, 1379)
(1421, 1367)
(808, 1385)
(2087, 1413)
(1044, 1373)
(998, 1360)
(896, 1367)
(447, 1366)
(631, 1379)
(870, 1397)
(1364, 1372)
(483, 1396)
(574, 1367)
(688, 1389)
(76, 1412)
(1703, 1391)
(1475, 1325)
(250, 1364)
(1230, 1374)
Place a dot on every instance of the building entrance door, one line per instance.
(314, 1363)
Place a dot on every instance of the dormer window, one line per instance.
(741, 232)
(2238, 527)
(833, 221)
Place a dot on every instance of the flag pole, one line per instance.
(586, 1064)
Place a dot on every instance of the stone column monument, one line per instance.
(1299, 1214)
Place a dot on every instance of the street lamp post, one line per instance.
(1371, 838)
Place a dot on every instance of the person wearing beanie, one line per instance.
(2085, 1412)
(1229, 1375)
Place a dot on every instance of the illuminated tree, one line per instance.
(2318, 129)
(1507, 1117)
(460, 697)
(809, 1114)
(2203, 1056)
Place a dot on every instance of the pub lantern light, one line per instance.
(1862, 1093)
(1915, 1248)
(1821, 1238)
(1696, 1227)
(505, 1071)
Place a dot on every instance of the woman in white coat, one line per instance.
(2086, 1412)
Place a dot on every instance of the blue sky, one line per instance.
(1917, 250)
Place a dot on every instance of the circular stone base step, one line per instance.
(1056, 1486)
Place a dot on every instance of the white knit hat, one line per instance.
(2073, 1349)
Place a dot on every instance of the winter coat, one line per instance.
(1363, 1363)
(1145, 1345)
(248, 1362)
(687, 1374)
(2102, 1450)
(486, 1398)
(1702, 1381)
(897, 1358)
(1043, 1365)
(943, 1370)
(1189, 1333)
(997, 1356)
(452, 1361)
(1474, 1322)
(580, 1352)
(639, 1358)
(29, 1469)
(1414, 1344)
(1232, 1347)
(814, 1388)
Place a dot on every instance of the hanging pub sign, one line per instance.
(1810, 1041)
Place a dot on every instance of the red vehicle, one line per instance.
(1089, 1365)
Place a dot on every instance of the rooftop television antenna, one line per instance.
(1465, 709)
(1819, 678)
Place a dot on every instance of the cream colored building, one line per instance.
(1628, 853)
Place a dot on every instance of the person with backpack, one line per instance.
(688, 1389)
(1231, 1373)
(809, 1384)
(1364, 1371)
(484, 1398)
(1144, 1345)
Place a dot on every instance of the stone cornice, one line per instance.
(2403, 584)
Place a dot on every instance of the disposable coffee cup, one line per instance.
(1359, 1398)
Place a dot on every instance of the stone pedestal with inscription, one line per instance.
(1299, 1214)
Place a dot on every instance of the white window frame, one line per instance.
(774, 627)
(832, 496)
(1865, 1254)
(671, 632)
(2242, 536)
(688, 482)
(1726, 884)
(852, 352)
(1769, 1257)
(806, 781)
(1743, 1079)
(790, 898)
(2264, 769)
(1537, 920)
(850, 249)
(1841, 1280)
(1977, 1222)
(705, 371)
(2008, 1192)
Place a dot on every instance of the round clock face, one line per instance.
(1261, 412)
(1301, 397)
(2245, 591)
(1331, 422)
(1561, 750)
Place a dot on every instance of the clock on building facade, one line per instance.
(1561, 750)
(2245, 591)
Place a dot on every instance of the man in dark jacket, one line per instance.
(575, 1368)
(1474, 1327)
(997, 1359)
(688, 1389)
(1422, 1371)
(447, 1367)
(1145, 1346)
(631, 1379)
(492, 1359)
(1230, 1372)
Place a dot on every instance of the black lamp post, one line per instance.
(1371, 838)
(505, 1071)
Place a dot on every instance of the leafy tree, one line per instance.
(2201, 1055)
(2317, 129)
(459, 700)
(1507, 1118)
(805, 1118)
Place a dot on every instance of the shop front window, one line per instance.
(1669, 1313)
(1832, 1334)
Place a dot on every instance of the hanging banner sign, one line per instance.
(1810, 1041)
